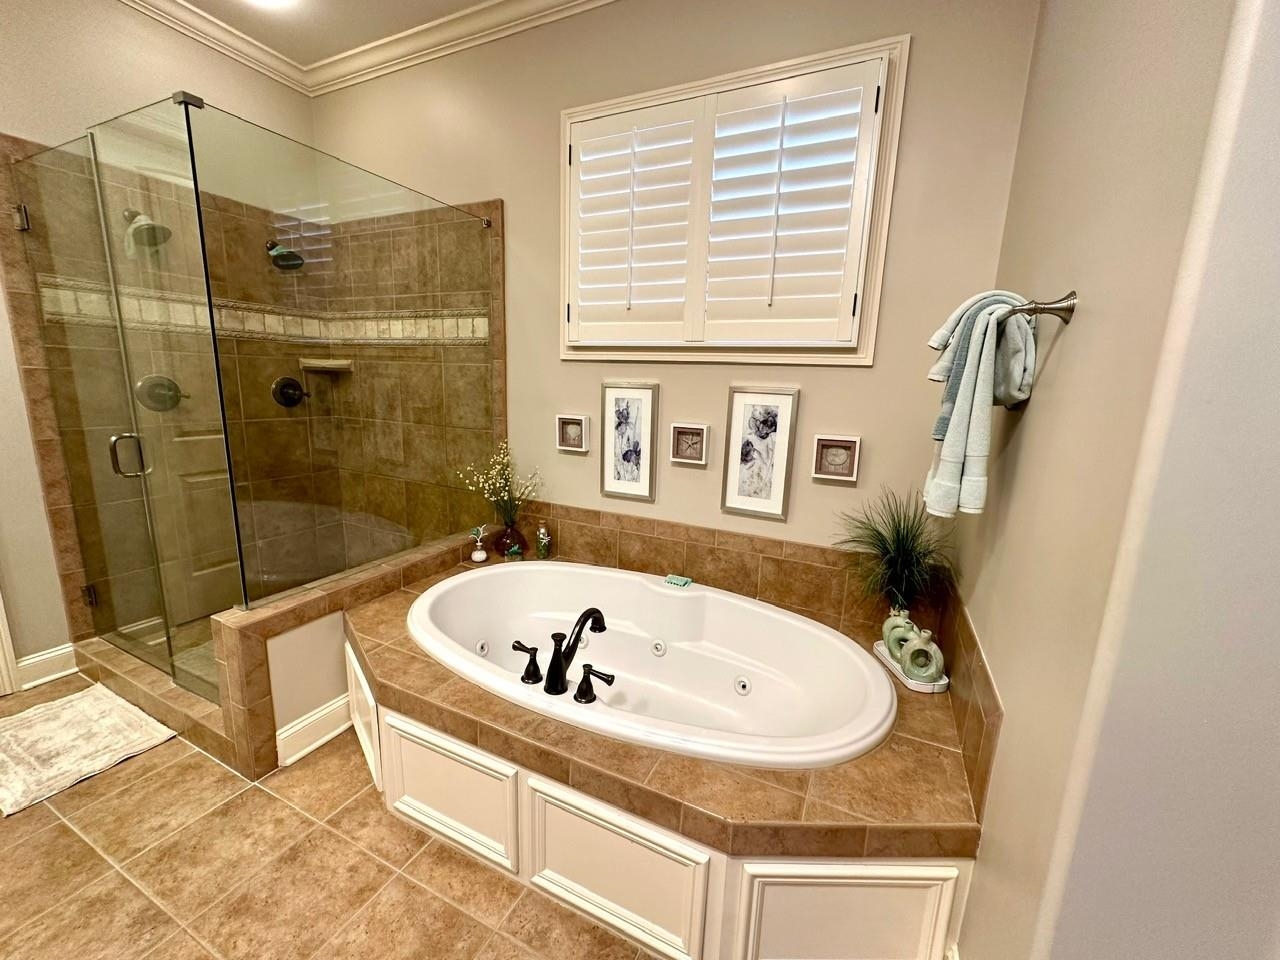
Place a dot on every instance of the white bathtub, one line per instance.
(815, 697)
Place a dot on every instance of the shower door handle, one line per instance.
(115, 455)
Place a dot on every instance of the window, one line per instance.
(738, 219)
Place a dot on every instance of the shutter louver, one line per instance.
(788, 208)
(634, 195)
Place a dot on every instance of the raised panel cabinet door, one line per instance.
(845, 911)
(630, 875)
(451, 788)
(364, 715)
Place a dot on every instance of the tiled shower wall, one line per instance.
(364, 467)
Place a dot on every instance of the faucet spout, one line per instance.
(591, 616)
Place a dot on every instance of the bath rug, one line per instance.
(50, 746)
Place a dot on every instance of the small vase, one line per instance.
(922, 658)
(897, 617)
(509, 537)
(902, 634)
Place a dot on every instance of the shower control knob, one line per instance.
(288, 392)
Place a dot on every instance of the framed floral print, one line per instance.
(629, 410)
(758, 444)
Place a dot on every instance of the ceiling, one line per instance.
(316, 46)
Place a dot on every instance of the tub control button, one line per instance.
(658, 648)
(741, 686)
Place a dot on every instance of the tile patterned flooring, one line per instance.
(172, 856)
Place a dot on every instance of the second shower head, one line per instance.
(282, 258)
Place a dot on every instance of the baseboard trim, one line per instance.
(46, 665)
(312, 730)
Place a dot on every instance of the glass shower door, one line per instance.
(157, 258)
(104, 535)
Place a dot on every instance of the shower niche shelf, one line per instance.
(325, 365)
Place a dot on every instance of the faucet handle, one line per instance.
(531, 672)
(586, 693)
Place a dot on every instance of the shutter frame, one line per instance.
(893, 52)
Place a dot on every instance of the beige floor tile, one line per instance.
(297, 902)
(323, 781)
(132, 819)
(205, 859)
(545, 927)
(18, 826)
(406, 922)
(180, 946)
(109, 920)
(118, 777)
(43, 870)
(500, 948)
(367, 822)
(480, 890)
(53, 690)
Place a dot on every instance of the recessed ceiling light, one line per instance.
(272, 4)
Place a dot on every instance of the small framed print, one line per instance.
(689, 444)
(629, 411)
(573, 432)
(757, 450)
(836, 457)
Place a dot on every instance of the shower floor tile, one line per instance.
(170, 856)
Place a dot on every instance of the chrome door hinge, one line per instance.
(877, 109)
(21, 217)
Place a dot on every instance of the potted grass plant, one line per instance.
(903, 558)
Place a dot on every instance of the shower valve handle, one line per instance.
(586, 693)
(531, 672)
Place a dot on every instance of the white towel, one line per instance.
(999, 363)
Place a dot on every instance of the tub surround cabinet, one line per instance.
(677, 897)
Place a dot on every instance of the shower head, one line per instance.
(282, 258)
(145, 232)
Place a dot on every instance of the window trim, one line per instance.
(895, 50)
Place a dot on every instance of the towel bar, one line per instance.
(1062, 308)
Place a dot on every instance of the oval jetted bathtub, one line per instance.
(699, 671)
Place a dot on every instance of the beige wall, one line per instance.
(485, 122)
(65, 64)
(1113, 130)
(1182, 762)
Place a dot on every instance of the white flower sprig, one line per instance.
(499, 484)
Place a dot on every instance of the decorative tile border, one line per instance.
(84, 302)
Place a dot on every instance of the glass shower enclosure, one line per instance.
(267, 366)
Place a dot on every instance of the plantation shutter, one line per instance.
(635, 225)
(789, 211)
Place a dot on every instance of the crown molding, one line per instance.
(468, 28)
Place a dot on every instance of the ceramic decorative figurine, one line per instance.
(922, 659)
(478, 555)
(897, 617)
(899, 636)
(544, 542)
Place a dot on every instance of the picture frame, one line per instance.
(573, 432)
(628, 415)
(835, 457)
(689, 444)
(759, 436)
